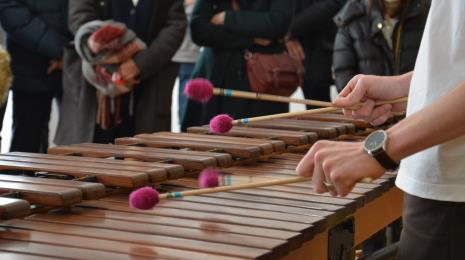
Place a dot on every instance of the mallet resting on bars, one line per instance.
(147, 197)
(223, 123)
(202, 90)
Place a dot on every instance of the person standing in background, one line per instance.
(310, 40)
(147, 107)
(186, 57)
(378, 38)
(226, 29)
(36, 34)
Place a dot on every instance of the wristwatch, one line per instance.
(375, 145)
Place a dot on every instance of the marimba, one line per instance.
(72, 202)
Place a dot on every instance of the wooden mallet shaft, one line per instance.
(307, 112)
(268, 97)
(180, 194)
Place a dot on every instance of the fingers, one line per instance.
(381, 114)
(218, 18)
(352, 94)
(326, 163)
(291, 50)
(370, 113)
(51, 68)
(128, 70)
(130, 50)
(319, 178)
(305, 166)
(295, 50)
(399, 108)
(262, 41)
(349, 87)
(300, 51)
(123, 55)
(365, 111)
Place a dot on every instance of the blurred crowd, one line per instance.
(112, 64)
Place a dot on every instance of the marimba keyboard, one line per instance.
(79, 197)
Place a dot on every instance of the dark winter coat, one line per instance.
(157, 72)
(36, 33)
(222, 60)
(314, 28)
(360, 47)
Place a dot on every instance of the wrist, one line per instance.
(376, 145)
(403, 84)
(394, 145)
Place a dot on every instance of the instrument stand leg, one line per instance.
(341, 241)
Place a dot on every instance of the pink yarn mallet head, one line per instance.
(221, 123)
(144, 198)
(209, 178)
(199, 89)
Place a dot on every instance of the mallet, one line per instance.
(146, 198)
(202, 90)
(223, 123)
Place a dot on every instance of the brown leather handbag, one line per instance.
(277, 74)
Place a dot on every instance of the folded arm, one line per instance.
(270, 24)
(316, 17)
(205, 33)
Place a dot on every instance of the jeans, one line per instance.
(185, 71)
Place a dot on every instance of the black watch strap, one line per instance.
(387, 162)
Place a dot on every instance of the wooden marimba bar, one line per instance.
(79, 197)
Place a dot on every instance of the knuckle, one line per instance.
(362, 79)
(318, 156)
(336, 177)
(317, 146)
(326, 166)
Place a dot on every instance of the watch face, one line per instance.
(375, 141)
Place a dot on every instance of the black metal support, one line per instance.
(341, 241)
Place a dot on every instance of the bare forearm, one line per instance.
(404, 83)
(440, 122)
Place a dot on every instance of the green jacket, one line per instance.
(222, 59)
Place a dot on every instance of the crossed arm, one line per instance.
(344, 163)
